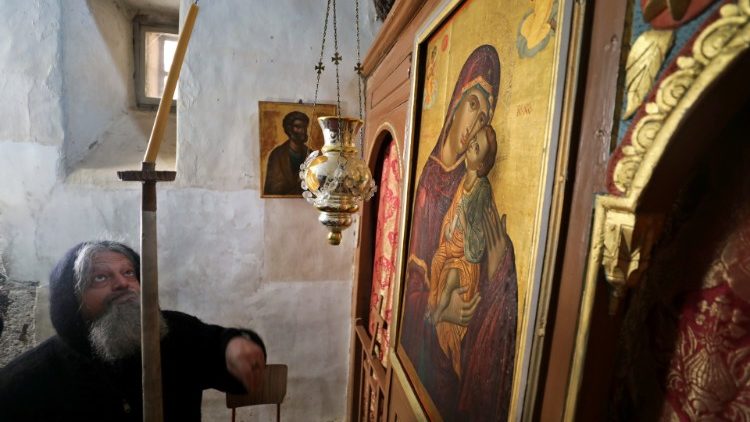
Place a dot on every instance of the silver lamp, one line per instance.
(335, 179)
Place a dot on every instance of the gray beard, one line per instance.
(116, 334)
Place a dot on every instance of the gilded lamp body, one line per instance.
(335, 179)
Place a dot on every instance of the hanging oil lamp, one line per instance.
(335, 179)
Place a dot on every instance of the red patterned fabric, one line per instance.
(386, 247)
(709, 374)
(685, 343)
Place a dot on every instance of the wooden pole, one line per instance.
(165, 105)
(150, 336)
(149, 277)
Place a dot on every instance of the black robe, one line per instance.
(56, 382)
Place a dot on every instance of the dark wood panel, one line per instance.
(598, 110)
(399, 408)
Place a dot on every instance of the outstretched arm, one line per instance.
(204, 350)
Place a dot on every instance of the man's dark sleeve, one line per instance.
(199, 349)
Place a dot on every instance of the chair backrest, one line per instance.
(272, 392)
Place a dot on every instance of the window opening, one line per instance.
(154, 48)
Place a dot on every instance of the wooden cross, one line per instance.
(149, 278)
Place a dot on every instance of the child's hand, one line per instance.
(497, 239)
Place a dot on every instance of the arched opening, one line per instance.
(691, 304)
(374, 281)
(641, 369)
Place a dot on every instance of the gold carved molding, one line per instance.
(713, 49)
(644, 61)
(626, 244)
(622, 235)
(625, 247)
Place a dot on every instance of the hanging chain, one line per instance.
(336, 59)
(358, 67)
(320, 68)
(358, 71)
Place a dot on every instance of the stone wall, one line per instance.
(17, 314)
(17, 305)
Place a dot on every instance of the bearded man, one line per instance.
(91, 370)
(282, 169)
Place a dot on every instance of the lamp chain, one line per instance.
(358, 67)
(336, 59)
(358, 71)
(320, 68)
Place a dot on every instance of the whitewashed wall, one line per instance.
(67, 123)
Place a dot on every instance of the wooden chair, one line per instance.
(273, 391)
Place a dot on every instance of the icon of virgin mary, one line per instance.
(476, 385)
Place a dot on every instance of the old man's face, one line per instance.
(113, 280)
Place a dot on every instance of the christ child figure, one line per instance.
(457, 261)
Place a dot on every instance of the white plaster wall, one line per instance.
(226, 255)
(103, 127)
(31, 125)
(89, 62)
(31, 109)
(256, 52)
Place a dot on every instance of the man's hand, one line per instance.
(246, 361)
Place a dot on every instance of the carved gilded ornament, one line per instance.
(624, 253)
(623, 236)
(722, 37)
(643, 64)
(626, 248)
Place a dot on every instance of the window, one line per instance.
(154, 46)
